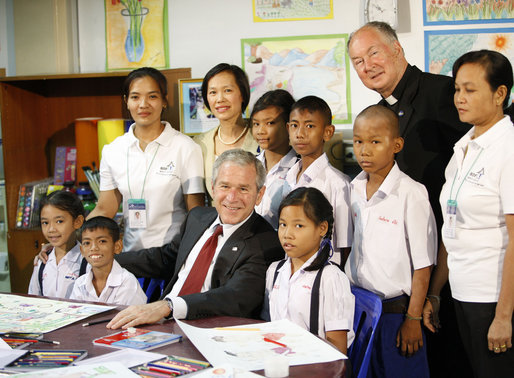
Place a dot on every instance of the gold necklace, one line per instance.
(234, 141)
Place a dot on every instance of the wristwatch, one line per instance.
(170, 306)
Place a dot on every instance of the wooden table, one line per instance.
(74, 336)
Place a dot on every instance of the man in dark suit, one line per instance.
(234, 282)
(430, 126)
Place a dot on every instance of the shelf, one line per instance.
(38, 114)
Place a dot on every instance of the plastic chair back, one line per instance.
(368, 308)
(152, 287)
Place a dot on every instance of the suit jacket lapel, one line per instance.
(195, 230)
(232, 248)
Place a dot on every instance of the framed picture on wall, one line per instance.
(443, 47)
(304, 65)
(195, 118)
(438, 12)
(292, 10)
(136, 33)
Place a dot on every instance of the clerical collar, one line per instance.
(391, 100)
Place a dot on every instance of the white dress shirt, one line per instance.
(290, 297)
(274, 193)
(395, 234)
(57, 280)
(335, 185)
(121, 288)
(481, 172)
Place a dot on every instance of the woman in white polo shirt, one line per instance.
(155, 170)
(478, 206)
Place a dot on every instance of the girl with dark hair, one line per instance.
(61, 215)
(269, 118)
(154, 170)
(226, 93)
(305, 282)
(478, 207)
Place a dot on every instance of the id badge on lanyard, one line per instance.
(450, 224)
(137, 213)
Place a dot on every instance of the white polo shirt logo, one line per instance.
(474, 177)
(167, 169)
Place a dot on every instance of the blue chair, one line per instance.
(368, 308)
(152, 287)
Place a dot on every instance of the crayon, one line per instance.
(275, 342)
(96, 322)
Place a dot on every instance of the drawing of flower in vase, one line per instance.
(134, 14)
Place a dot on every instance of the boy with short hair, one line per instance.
(309, 127)
(107, 281)
(394, 244)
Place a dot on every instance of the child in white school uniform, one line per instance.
(62, 214)
(394, 245)
(305, 280)
(107, 281)
(269, 127)
(310, 126)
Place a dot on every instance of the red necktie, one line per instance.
(196, 277)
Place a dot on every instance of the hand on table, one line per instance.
(139, 314)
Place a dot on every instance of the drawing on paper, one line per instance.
(306, 65)
(40, 315)
(291, 10)
(136, 33)
(247, 347)
(444, 12)
(442, 48)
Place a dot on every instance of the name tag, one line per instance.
(450, 224)
(137, 213)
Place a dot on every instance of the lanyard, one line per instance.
(146, 174)
(462, 182)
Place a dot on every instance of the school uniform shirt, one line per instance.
(121, 288)
(335, 185)
(58, 279)
(275, 179)
(290, 297)
(395, 234)
(481, 180)
(169, 167)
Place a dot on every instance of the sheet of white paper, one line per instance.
(225, 370)
(41, 315)
(109, 369)
(4, 345)
(8, 356)
(244, 347)
(127, 357)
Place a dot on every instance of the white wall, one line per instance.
(203, 33)
(7, 60)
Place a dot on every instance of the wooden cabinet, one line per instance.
(35, 108)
